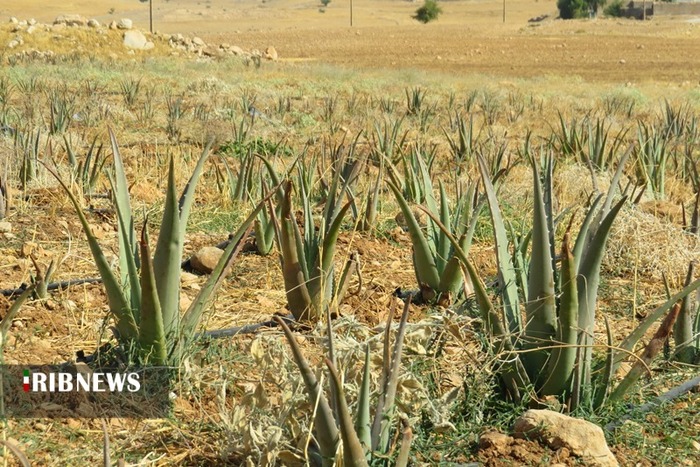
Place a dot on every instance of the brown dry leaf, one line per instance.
(257, 351)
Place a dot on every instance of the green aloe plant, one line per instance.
(437, 268)
(550, 351)
(364, 439)
(307, 258)
(144, 296)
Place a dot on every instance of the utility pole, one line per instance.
(150, 14)
(504, 11)
(350, 13)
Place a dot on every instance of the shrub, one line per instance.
(614, 9)
(570, 9)
(428, 12)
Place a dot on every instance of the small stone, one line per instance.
(113, 25)
(31, 29)
(582, 438)
(125, 23)
(93, 23)
(622, 61)
(14, 20)
(198, 42)
(206, 259)
(70, 20)
(31, 22)
(13, 43)
(235, 50)
(271, 53)
(495, 440)
(5, 227)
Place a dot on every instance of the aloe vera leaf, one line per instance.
(651, 350)
(362, 422)
(582, 237)
(168, 256)
(118, 304)
(298, 297)
(386, 406)
(540, 309)
(605, 384)
(424, 256)
(193, 315)
(561, 364)
(134, 282)
(151, 333)
(6, 321)
(442, 245)
(588, 280)
(384, 375)
(327, 433)
(428, 196)
(406, 441)
(519, 261)
(353, 452)
(683, 329)
(14, 449)
(128, 244)
(506, 271)
(632, 339)
(187, 197)
(330, 242)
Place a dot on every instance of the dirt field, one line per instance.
(469, 38)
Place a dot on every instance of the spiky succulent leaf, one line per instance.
(152, 340)
(540, 309)
(631, 340)
(362, 421)
(588, 280)
(118, 304)
(353, 452)
(424, 255)
(168, 256)
(133, 287)
(128, 244)
(327, 433)
(683, 329)
(295, 286)
(563, 358)
(506, 270)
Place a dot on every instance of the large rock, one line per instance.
(71, 20)
(135, 40)
(584, 439)
(206, 259)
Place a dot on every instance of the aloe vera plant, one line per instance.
(365, 439)
(144, 295)
(686, 332)
(437, 268)
(551, 350)
(307, 259)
